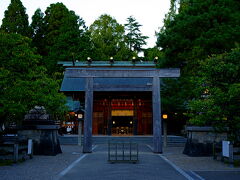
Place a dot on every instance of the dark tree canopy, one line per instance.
(218, 92)
(200, 29)
(196, 31)
(15, 19)
(23, 81)
(59, 35)
(38, 31)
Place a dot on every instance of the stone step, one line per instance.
(73, 139)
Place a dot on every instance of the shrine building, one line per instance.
(118, 98)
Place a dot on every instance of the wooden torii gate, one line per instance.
(89, 74)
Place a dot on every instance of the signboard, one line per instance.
(225, 148)
(122, 112)
(30, 144)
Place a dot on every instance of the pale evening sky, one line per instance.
(149, 13)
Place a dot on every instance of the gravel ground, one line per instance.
(41, 167)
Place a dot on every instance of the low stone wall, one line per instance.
(12, 148)
(200, 140)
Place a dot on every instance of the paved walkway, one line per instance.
(41, 167)
(95, 166)
(201, 168)
(72, 164)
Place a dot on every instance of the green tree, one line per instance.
(198, 30)
(107, 36)
(65, 36)
(38, 31)
(151, 54)
(134, 38)
(23, 82)
(218, 92)
(15, 19)
(72, 42)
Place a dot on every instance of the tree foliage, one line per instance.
(200, 29)
(107, 36)
(38, 31)
(134, 38)
(193, 33)
(151, 54)
(23, 82)
(218, 92)
(62, 35)
(15, 19)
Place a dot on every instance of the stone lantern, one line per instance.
(38, 126)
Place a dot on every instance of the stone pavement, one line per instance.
(96, 167)
(171, 164)
(41, 167)
(201, 167)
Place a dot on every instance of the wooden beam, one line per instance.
(157, 120)
(125, 73)
(87, 140)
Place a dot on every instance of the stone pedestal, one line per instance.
(45, 139)
(43, 131)
(200, 140)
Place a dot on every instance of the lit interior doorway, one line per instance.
(122, 113)
(122, 122)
